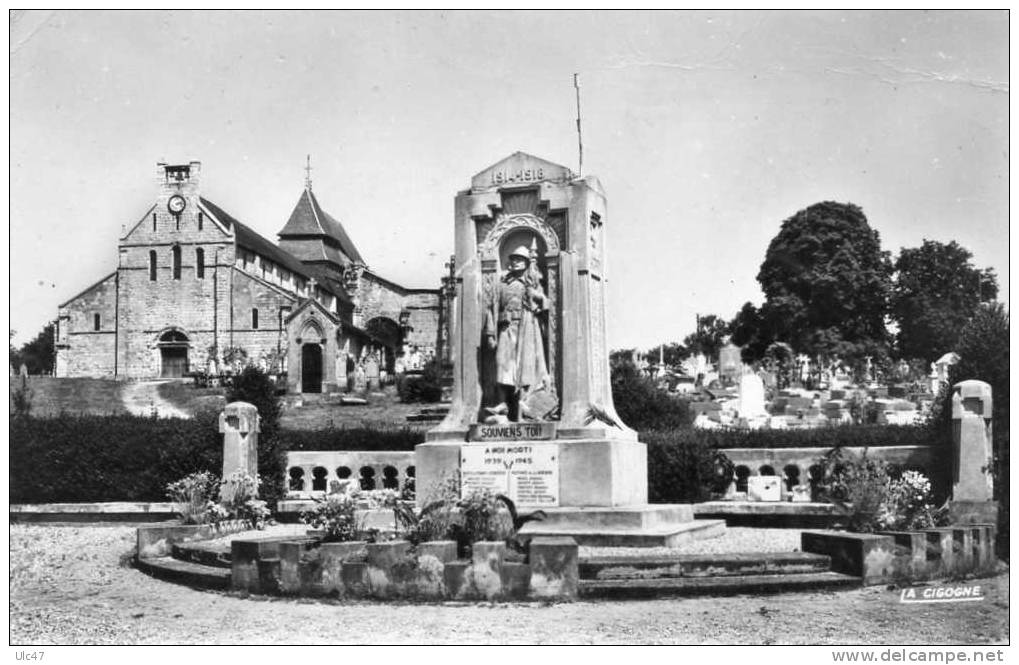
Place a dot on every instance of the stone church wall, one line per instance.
(88, 352)
(189, 304)
(380, 298)
(249, 293)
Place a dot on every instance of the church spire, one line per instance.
(307, 174)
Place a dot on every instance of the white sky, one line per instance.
(707, 130)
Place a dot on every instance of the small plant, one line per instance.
(195, 498)
(909, 504)
(337, 515)
(239, 494)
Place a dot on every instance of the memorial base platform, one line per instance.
(649, 525)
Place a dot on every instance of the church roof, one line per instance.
(309, 219)
(250, 239)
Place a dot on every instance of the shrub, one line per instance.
(909, 504)
(684, 469)
(255, 387)
(194, 497)
(860, 490)
(643, 405)
(337, 515)
(423, 387)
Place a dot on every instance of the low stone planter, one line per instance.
(157, 541)
(897, 556)
(394, 569)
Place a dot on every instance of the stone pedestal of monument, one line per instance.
(598, 466)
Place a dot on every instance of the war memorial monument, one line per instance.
(532, 414)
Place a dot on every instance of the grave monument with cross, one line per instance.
(532, 414)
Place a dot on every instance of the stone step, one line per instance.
(185, 572)
(215, 556)
(717, 585)
(425, 417)
(674, 535)
(702, 565)
(647, 516)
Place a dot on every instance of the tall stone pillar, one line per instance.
(972, 454)
(240, 424)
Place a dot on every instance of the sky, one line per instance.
(706, 129)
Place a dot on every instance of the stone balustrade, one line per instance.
(800, 466)
(309, 473)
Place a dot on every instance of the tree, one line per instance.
(826, 283)
(255, 387)
(39, 354)
(936, 292)
(672, 353)
(709, 336)
(749, 333)
(983, 349)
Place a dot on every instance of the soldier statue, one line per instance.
(513, 330)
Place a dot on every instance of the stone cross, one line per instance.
(972, 454)
(239, 424)
(971, 416)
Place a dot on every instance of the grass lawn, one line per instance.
(50, 396)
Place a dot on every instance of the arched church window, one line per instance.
(254, 319)
(200, 263)
(201, 218)
(97, 321)
(152, 265)
(176, 261)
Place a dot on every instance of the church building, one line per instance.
(195, 289)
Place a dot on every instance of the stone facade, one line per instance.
(193, 284)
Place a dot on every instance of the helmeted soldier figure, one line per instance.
(513, 330)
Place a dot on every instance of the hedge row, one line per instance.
(354, 438)
(821, 437)
(83, 458)
(128, 458)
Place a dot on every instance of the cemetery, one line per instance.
(532, 487)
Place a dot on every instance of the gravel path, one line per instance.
(141, 398)
(74, 585)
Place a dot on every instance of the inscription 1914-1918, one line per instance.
(522, 175)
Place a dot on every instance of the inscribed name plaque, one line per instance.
(530, 431)
(528, 473)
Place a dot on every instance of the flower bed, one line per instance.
(396, 569)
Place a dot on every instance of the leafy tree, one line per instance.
(749, 333)
(709, 336)
(641, 404)
(38, 354)
(937, 291)
(826, 283)
(672, 353)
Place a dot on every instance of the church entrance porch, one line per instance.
(173, 354)
(311, 368)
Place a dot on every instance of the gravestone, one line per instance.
(239, 423)
(751, 397)
(372, 372)
(531, 410)
(972, 483)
